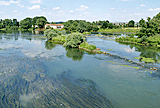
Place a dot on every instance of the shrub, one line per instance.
(50, 34)
(74, 40)
(87, 46)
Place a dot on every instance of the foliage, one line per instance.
(74, 40)
(59, 39)
(85, 45)
(51, 33)
(79, 26)
(151, 27)
(26, 23)
(41, 22)
(131, 23)
(142, 23)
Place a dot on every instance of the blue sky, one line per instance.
(89, 10)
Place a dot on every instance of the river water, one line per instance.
(36, 73)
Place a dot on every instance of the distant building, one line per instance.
(55, 26)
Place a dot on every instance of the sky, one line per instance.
(89, 10)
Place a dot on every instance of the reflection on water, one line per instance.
(49, 45)
(147, 52)
(74, 53)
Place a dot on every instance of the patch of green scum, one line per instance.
(158, 61)
(110, 49)
(136, 57)
(135, 67)
(111, 62)
(1, 49)
(148, 60)
(126, 65)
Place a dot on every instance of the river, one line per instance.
(36, 73)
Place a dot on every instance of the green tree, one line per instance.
(41, 22)
(74, 40)
(131, 23)
(26, 23)
(142, 23)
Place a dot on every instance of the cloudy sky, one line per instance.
(90, 10)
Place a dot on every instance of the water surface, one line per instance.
(36, 73)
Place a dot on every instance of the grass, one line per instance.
(61, 39)
(85, 45)
(3, 29)
(126, 30)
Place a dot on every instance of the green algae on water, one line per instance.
(136, 57)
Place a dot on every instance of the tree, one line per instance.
(142, 23)
(131, 23)
(41, 22)
(26, 23)
(74, 40)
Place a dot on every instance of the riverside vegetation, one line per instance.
(148, 34)
(74, 40)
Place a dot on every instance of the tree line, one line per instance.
(25, 24)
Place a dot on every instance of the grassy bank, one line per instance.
(147, 41)
(126, 30)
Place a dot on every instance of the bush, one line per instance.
(87, 46)
(74, 40)
(50, 34)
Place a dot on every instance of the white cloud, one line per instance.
(137, 13)
(35, 1)
(20, 5)
(82, 8)
(15, 11)
(142, 5)
(124, 10)
(112, 8)
(86, 13)
(71, 11)
(8, 2)
(34, 7)
(60, 11)
(156, 9)
(56, 8)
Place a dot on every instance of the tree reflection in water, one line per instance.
(74, 53)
